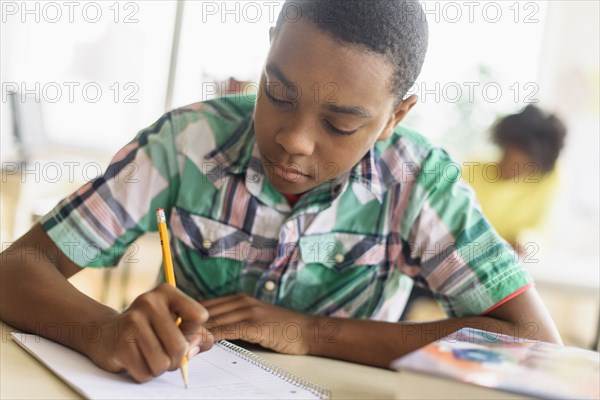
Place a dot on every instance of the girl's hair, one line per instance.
(532, 131)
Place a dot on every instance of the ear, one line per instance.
(271, 33)
(398, 115)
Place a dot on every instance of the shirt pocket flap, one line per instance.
(339, 251)
(211, 238)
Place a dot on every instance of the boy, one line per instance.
(297, 222)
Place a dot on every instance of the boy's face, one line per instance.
(321, 107)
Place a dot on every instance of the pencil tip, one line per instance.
(184, 373)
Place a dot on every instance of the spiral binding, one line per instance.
(275, 370)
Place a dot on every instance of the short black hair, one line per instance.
(396, 29)
(539, 135)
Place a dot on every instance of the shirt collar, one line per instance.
(366, 178)
(234, 155)
(239, 155)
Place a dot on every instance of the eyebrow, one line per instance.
(356, 111)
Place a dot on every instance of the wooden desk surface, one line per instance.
(23, 377)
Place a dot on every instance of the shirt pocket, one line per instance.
(341, 251)
(211, 238)
(336, 274)
(213, 254)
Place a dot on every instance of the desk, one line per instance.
(23, 377)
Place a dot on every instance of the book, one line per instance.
(226, 371)
(480, 364)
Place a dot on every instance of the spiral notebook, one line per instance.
(226, 371)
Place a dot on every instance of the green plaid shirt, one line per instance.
(352, 247)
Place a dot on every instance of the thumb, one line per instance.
(201, 341)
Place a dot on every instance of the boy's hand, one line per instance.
(145, 340)
(240, 316)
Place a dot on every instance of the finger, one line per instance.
(239, 302)
(223, 332)
(203, 340)
(224, 299)
(157, 359)
(237, 324)
(192, 313)
(135, 364)
(170, 337)
(247, 331)
(227, 332)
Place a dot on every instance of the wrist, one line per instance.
(98, 333)
(315, 334)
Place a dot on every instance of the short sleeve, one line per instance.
(452, 249)
(95, 225)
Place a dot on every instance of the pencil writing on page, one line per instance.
(169, 273)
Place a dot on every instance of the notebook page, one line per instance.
(215, 374)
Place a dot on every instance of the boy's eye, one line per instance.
(328, 124)
(274, 99)
(336, 130)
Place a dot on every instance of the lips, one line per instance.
(289, 173)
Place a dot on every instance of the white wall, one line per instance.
(120, 48)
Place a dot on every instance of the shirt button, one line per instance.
(289, 224)
(250, 239)
(269, 286)
(206, 244)
(339, 258)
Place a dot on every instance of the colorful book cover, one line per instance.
(511, 364)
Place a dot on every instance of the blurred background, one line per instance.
(80, 79)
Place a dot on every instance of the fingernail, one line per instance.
(195, 350)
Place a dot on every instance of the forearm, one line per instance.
(378, 343)
(35, 297)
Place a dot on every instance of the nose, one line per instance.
(297, 139)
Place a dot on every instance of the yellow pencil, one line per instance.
(169, 273)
